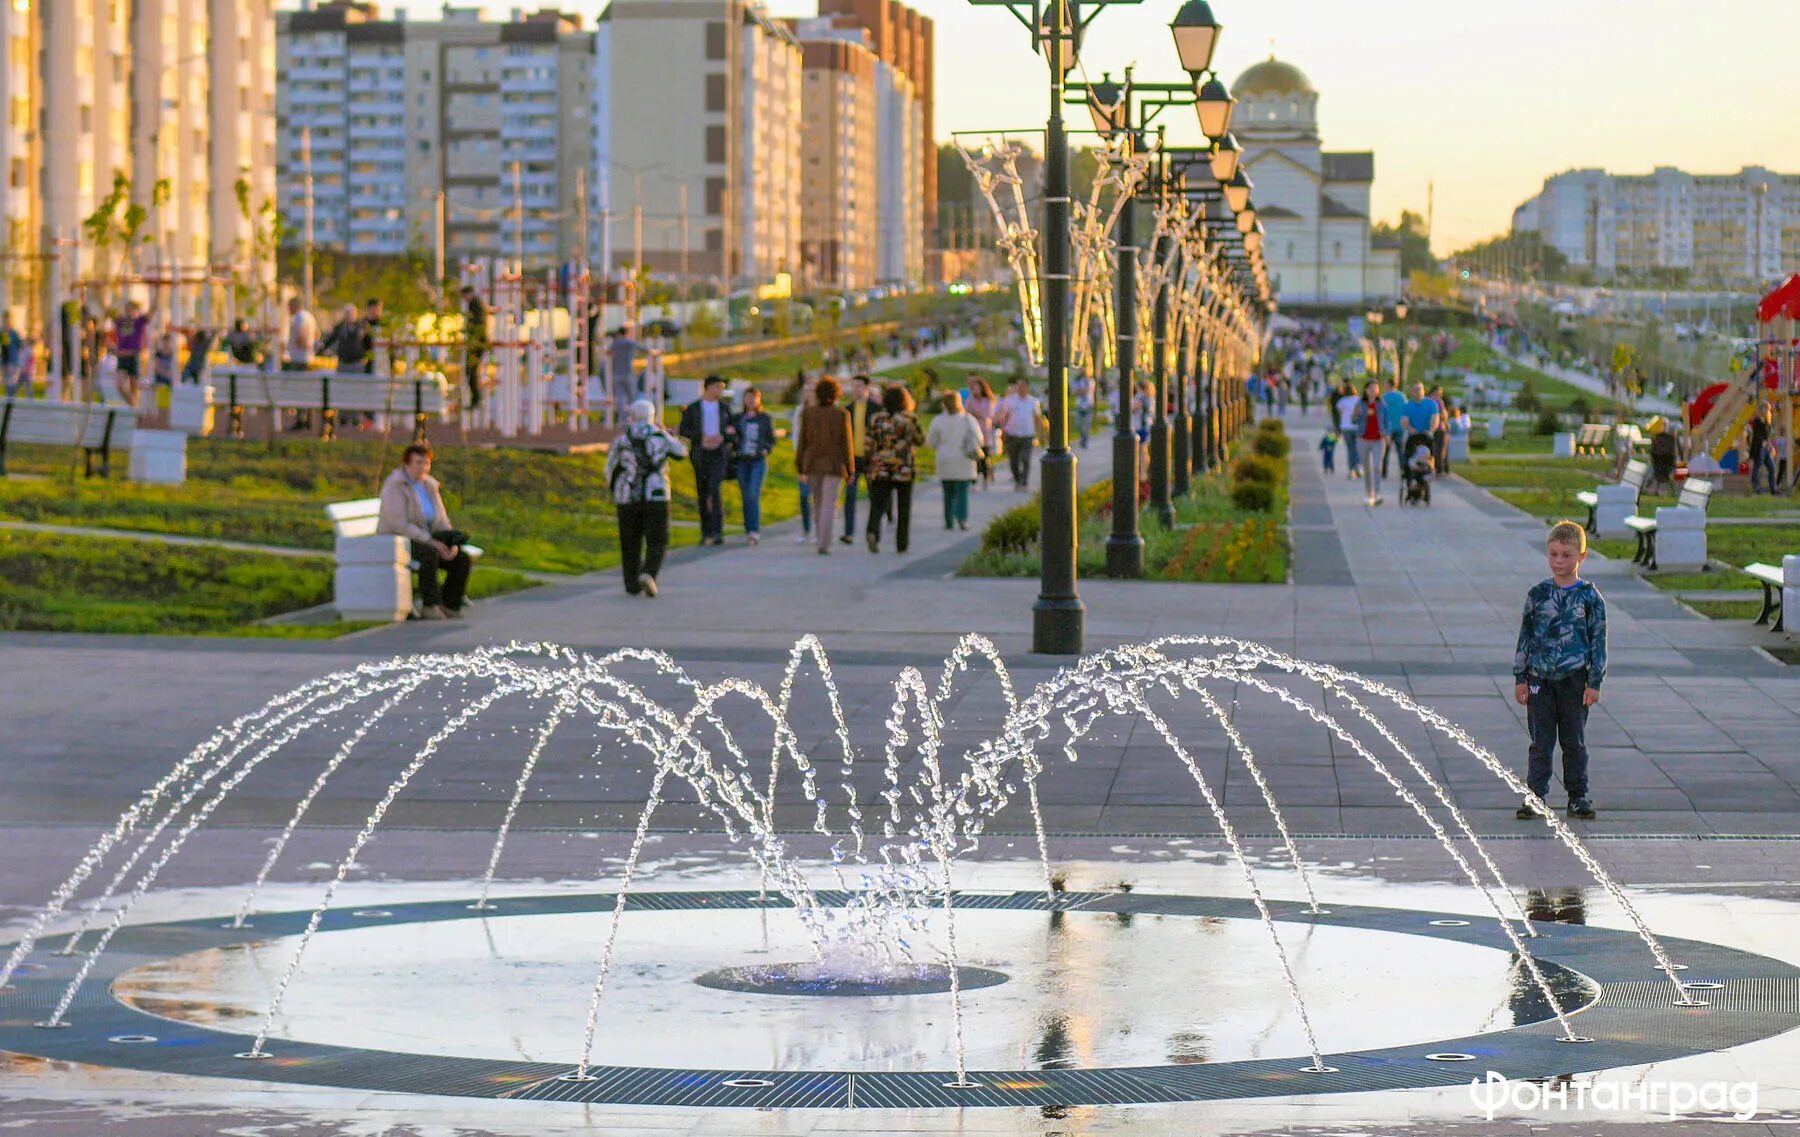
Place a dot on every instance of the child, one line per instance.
(1328, 448)
(1558, 666)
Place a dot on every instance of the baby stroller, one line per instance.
(1415, 469)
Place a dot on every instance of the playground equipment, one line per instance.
(1719, 414)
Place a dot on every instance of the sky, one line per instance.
(1481, 100)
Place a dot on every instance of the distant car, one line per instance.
(662, 326)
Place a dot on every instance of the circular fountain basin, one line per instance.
(1086, 990)
(810, 978)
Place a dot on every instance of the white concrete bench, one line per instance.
(1775, 585)
(374, 575)
(97, 428)
(1620, 501)
(1681, 529)
(421, 395)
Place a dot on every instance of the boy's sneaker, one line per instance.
(1525, 812)
(1581, 807)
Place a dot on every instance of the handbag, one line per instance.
(972, 448)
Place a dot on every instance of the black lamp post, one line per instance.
(1059, 618)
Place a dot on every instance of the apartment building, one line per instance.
(395, 122)
(840, 150)
(176, 96)
(903, 41)
(770, 207)
(1736, 230)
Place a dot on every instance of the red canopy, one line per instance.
(1784, 301)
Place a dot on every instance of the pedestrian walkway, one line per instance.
(1695, 733)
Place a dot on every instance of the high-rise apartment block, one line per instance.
(840, 185)
(905, 43)
(395, 122)
(869, 85)
(176, 96)
(702, 148)
(1739, 229)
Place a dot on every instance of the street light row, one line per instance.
(1227, 262)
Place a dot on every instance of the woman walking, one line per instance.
(1143, 413)
(1368, 426)
(752, 436)
(982, 407)
(894, 433)
(824, 456)
(955, 437)
(635, 469)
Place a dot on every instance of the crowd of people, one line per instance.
(857, 449)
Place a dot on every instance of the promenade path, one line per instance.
(1695, 734)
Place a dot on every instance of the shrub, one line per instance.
(1272, 426)
(1258, 469)
(1526, 399)
(1548, 422)
(1271, 444)
(1580, 408)
(1254, 497)
(1013, 532)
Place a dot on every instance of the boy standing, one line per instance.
(1558, 666)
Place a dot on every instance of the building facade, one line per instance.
(174, 96)
(839, 195)
(396, 123)
(1728, 230)
(904, 43)
(1313, 203)
(769, 209)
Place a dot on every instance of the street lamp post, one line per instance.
(1058, 618)
(1180, 425)
(1159, 422)
(1111, 108)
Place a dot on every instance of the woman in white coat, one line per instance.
(956, 438)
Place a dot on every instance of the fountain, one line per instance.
(881, 918)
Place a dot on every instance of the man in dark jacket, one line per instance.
(862, 407)
(704, 425)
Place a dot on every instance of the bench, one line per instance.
(1593, 438)
(374, 575)
(1623, 496)
(1774, 583)
(95, 427)
(1684, 523)
(423, 395)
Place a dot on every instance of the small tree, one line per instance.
(116, 227)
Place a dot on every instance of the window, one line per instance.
(715, 92)
(715, 196)
(715, 40)
(715, 144)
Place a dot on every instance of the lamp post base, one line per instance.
(1058, 619)
(1058, 626)
(1125, 546)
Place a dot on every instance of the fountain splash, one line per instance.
(938, 804)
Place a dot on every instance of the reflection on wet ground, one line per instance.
(1736, 894)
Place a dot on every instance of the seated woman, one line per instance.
(412, 507)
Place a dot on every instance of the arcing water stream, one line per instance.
(887, 877)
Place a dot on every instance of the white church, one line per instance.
(1314, 203)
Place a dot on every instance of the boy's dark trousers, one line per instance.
(456, 573)
(1554, 708)
(643, 539)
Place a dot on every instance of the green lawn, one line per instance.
(532, 511)
(53, 583)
